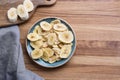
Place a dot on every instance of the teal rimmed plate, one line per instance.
(58, 63)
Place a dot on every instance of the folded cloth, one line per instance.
(11, 57)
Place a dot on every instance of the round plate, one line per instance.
(58, 63)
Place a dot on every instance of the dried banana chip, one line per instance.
(45, 58)
(52, 59)
(48, 52)
(45, 26)
(60, 27)
(57, 21)
(37, 44)
(65, 51)
(45, 44)
(37, 30)
(33, 37)
(55, 46)
(66, 37)
(37, 53)
(61, 45)
(52, 37)
(57, 50)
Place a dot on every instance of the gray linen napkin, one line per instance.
(11, 57)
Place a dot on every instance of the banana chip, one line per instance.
(48, 52)
(33, 37)
(61, 45)
(37, 44)
(52, 38)
(45, 26)
(52, 59)
(55, 22)
(45, 58)
(55, 46)
(65, 51)
(60, 27)
(57, 50)
(45, 44)
(66, 37)
(37, 53)
(37, 30)
(51, 41)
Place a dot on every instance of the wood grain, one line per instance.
(97, 27)
(5, 5)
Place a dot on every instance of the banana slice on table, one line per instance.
(33, 37)
(37, 53)
(12, 14)
(52, 37)
(28, 5)
(60, 27)
(37, 44)
(37, 30)
(65, 51)
(66, 37)
(22, 12)
(45, 26)
(48, 52)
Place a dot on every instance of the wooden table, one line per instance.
(97, 27)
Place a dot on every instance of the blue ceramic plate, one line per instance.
(58, 63)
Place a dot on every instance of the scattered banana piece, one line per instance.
(28, 5)
(55, 43)
(12, 15)
(22, 11)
